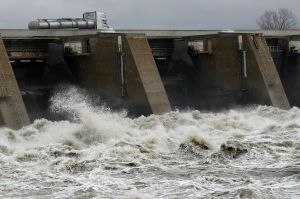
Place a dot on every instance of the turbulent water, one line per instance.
(252, 152)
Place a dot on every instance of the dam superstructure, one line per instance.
(148, 71)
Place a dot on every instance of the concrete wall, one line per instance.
(215, 77)
(217, 83)
(255, 88)
(100, 71)
(257, 46)
(13, 113)
(220, 80)
(291, 79)
(289, 67)
(140, 65)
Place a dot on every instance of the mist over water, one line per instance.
(252, 152)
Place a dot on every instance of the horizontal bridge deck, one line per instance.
(19, 33)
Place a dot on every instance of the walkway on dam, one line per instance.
(19, 33)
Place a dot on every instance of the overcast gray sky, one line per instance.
(148, 14)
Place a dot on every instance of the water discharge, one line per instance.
(252, 152)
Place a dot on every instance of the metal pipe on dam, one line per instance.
(61, 24)
(91, 20)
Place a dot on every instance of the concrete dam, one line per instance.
(148, 71)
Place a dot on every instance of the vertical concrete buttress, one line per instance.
(148, 73)
(267, 68)
(12, 109)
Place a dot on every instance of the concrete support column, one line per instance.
(12, 109)
(263, 64)
(146, 71)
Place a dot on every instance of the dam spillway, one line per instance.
(149, 72)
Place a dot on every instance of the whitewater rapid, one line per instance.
(252, 152)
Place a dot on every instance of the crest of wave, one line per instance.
(95, 123)
(92, 124)
(85, 125)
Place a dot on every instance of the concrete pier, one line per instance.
(13, 113)
(267, 68)
(148, 74)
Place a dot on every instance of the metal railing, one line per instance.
(275, 49)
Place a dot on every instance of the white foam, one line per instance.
(97, 148)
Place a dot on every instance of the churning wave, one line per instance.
(252, 152)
